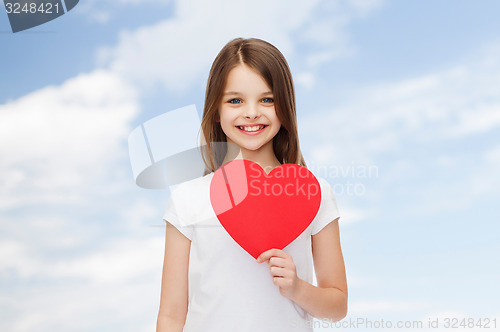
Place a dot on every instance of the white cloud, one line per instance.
(117, 261)
(140, 212)
(120, 260)
(305, 79)
(84, 306)
(364, 7)
(64, 167)
(116, 284)
(102, 11)
(364, 307)
(177, 52)
(447, 105)
(351, 215)
(485, 181)
(493, 155)
(355, 281)
(62, 137)
(482, 119)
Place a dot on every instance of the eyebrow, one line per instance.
(238, 93)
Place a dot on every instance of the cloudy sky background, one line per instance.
(398, 107)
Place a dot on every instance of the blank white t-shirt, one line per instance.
(228, 290)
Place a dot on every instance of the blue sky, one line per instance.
(409, 88)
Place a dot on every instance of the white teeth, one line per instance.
(254, 128)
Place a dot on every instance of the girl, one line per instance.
(209, 283)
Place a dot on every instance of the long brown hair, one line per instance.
(272, 66)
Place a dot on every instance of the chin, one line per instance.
(251, 148)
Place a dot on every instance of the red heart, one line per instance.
(263, 211)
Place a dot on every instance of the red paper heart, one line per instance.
(263, 211)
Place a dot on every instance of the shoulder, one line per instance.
(324, 185)
(328, 209)
(327, 189)
(328, 199)
(192, 199)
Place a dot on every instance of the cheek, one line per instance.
(221, 118)
(276, 121)
(226, 122)
(274, 117)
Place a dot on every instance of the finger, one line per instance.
(278, 261)
(278, 271)
(282, 273)
(279, 253)
(277, 281)
(268, 254)
(263, 256)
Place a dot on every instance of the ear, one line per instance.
(217, 118)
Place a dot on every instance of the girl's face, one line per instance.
(246, 112)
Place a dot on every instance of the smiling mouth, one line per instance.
(251, 128)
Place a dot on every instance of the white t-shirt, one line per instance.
(228, 290)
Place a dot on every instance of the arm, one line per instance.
(174, 284)
(329, 298)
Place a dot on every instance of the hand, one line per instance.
(283, 271)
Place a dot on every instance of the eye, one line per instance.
(235, 101)
(268, 100)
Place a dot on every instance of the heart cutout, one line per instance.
(263, 211)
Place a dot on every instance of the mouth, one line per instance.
(252, 129)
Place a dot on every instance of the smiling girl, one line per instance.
(209, 283)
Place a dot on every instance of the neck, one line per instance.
(264, 156)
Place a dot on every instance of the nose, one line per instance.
(251, 111)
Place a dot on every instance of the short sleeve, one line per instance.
(175, 213)
(328, 210)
